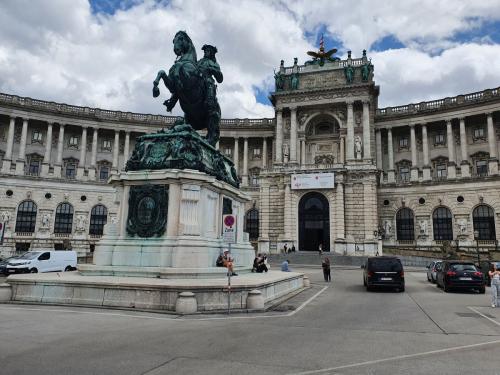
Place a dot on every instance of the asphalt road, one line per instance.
(338, 330)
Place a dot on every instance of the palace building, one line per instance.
(332, 169)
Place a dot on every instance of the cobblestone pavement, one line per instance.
(331, 328)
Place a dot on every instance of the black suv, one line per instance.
(383, 271)
(459, 274)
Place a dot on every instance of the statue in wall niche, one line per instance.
(422, 224)
(80, 222)
(358, 145)
(286, 150)
(46, 221)
(279, 81)
(5, 216)
(294, 81)
(191, 84)
(387, 227)
(462, 227)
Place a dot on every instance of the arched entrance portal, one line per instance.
(314, 222)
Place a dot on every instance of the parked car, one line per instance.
(43, 261)
(383, 271)
(432, 270)
(461, 275)
(3, 265)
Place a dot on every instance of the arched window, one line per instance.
(26, 217)
(405, 229)
(64, 218)
(252, 224)
(442, 225)
(484, 222)
(98, 218)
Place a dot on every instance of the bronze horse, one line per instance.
(191, 86)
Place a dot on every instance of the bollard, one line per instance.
(307, 282)
(255, 300)
(5, 292)
(186, 303)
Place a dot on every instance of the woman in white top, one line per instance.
(495, 285)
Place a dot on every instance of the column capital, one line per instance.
(293, 108)
(365, 101)
(488, 114)
(448, 120)
(278, 110)
(127, 132)
(412, 126)
(349, 102)
(461, 118)
(423, 125)
(84, 127)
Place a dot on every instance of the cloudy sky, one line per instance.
(105, 53)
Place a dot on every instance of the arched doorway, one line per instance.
(314, 222)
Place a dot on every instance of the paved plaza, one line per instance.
(334, 328)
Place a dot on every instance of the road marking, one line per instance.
(172, 318)
(390, 359)
(484, 316)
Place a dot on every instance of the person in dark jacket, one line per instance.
(326, 269)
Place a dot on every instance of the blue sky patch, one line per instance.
(261, 95)
(387, 42)
(111, 6)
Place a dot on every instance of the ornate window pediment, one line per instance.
(70, 167)
(33, 164)
(440, 166)
(403, 167)
(103, 167)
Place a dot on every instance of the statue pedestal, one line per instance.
(171, 226)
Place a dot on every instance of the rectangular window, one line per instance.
(482, 168)
(104, 173)
(73, 141)
(439, 139)
(106, 145)
(403, 142)
(254, 180)
(256, 152)
(441, 171)
(34, 168)
(36, 136)
(404, 174)
(228, 151)
(479, 132)
(70, 171)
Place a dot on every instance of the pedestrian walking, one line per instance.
(320, 249)
(495, 285)
(326, 269)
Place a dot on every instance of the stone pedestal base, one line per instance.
(263, 246)
(493, 167)
(6, 164)
(80, 173)
(92, 174)
(426, 173)
(452, 171)
(465, 170)
(391, 177)
(71, 288)
(20, 168)
(414, 174)
(57, 171)
(45, 169)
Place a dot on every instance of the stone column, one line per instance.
(391, 177)
(425, 149)
(93, 155)
(414, 162)
(492, 142)
(366, 131)
(7, 160)
(302, 152)
(245, 162)
(378, 146)
(116, 148)
(48, 151)
(293, 134)
(370, 207)
(60, 145)
(264, 153)
(83, 154)
(350, 131)
(464, 164)
(342, 150)
(451, 150)
(288, 213)
(126, 148)
(236, 155)
(279, 136)
(340, 220)
(264, 218)
(22, 149)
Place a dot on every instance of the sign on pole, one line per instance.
(229, 228)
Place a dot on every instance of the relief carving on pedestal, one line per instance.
(147, 213)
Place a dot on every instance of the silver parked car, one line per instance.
(432, 271)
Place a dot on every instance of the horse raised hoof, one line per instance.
(156, 91)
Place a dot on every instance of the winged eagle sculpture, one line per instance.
(321, 56)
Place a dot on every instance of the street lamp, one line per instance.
(476, 237)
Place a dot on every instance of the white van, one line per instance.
(43, 261)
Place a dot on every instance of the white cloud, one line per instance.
(58, 50)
